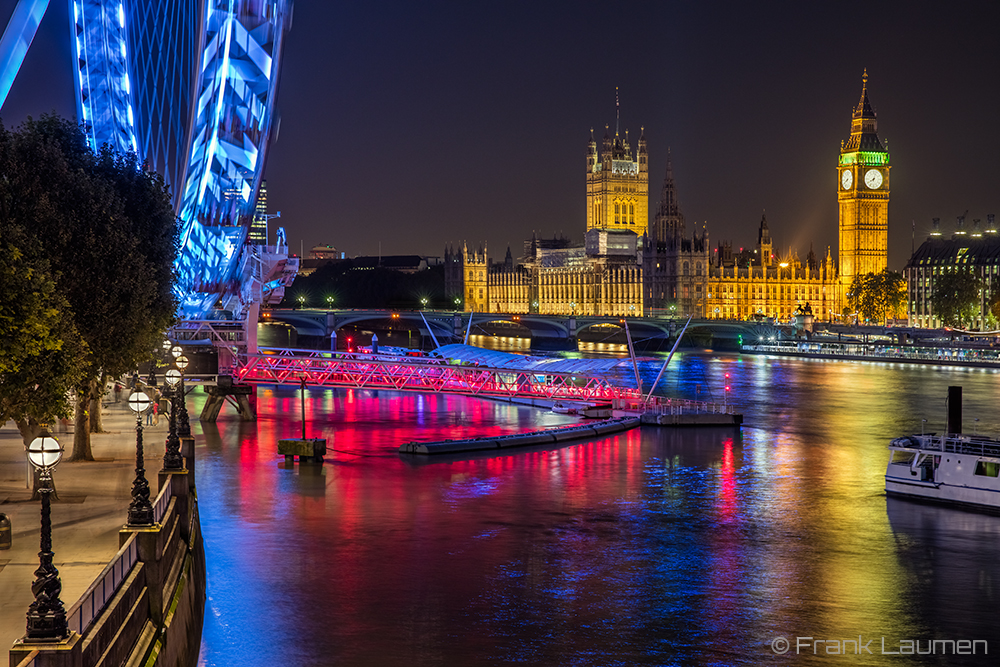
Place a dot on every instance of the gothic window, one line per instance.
(697, 267)
(631, 214)
(687, 270)
(617, 213)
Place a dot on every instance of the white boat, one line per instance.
(564, 409)
(953, 469)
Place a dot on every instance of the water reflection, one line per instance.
(656, 546)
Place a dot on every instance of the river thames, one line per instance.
(652, 547)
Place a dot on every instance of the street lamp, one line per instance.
(140, 510)
(172, 459)
(329, 301)
(423, 302)
(301, 300)
(183, 423)
(46, 615)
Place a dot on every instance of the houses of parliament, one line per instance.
(629, 267)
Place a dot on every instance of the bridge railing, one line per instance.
(672, 406)
(425, 374)
(878, 352)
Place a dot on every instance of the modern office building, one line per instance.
(976, 250)
(258, 226)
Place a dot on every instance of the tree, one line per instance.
(993, 303)
(108, 226)
(875, 295)
(955, 296)
(40, 352)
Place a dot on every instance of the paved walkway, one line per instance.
(92, 506)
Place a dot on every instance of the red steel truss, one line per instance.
(331, 369)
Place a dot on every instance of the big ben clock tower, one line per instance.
(863, 195)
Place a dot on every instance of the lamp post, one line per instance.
(423, 302)
(329, 302)
(46, 615)
(183, 422)
(172, 459)
(140, 510)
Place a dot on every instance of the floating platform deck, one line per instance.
(546, 437)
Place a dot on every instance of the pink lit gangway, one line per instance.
(423, 374)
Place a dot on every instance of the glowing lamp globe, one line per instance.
(173, 377)
(139, 402)
(176, 351)
(44, 452)
(182, 363)
(166, 345)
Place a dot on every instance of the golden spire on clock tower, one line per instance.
(863, 196)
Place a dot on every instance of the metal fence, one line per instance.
(84, 611)
(82, 614)
(673, 406)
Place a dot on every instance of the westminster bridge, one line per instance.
(445, 326)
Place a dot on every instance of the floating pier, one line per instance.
(546, 437)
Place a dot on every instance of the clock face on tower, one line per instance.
(846, 179)
(873, 179)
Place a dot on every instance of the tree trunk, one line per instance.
(81, 423)
(96, 422)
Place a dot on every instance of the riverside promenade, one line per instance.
(91, 509)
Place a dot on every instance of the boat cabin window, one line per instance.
(902, 458)
(987, 468)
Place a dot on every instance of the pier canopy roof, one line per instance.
(470, 354)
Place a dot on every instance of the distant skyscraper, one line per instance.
(258, 228)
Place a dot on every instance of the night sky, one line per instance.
(415, 124)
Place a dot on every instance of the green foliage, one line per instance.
(955, 297)
(107, 229)
(876, 296)
(993, 303)
(40, 353)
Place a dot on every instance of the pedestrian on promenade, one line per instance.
(151, 415)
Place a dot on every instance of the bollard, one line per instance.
(5, 539)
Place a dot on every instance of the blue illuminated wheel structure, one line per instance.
(190, 86)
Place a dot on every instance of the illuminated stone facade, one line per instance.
(631, 267)
(553, 277)
(755, 284)
(674, 266)
(863, 196)
(618, 184)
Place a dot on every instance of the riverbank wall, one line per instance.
(146, 606)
